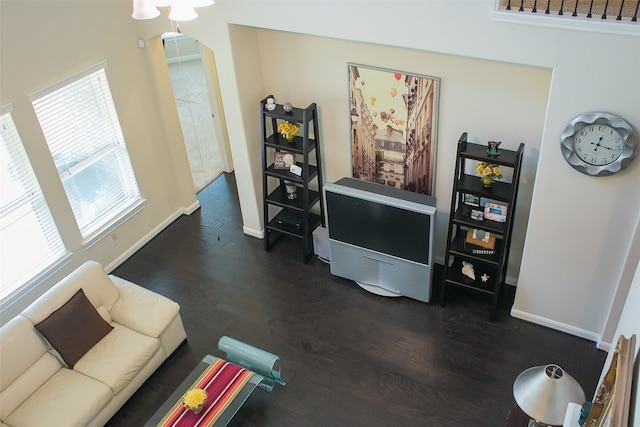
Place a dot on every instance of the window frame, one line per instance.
(110, 218)
(32, 200)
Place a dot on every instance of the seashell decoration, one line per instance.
(467, 270)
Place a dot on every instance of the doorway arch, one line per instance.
(194, 81)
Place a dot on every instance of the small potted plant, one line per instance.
(288, 130)
(488, 172)
(194, 400)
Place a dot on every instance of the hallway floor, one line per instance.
(192, 99)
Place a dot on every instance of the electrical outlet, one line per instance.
(114, 240)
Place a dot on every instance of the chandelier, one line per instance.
(181, 10)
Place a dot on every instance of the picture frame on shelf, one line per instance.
(283, 160)
(477, 215)
(495, 212)
(398, 110)
(481, 238)
(471, 199)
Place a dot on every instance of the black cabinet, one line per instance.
(293, 204)
(487, 259)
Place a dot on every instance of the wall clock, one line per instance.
(599, 144)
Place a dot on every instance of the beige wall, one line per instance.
(44, 42)
(477, 96)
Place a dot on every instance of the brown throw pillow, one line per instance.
(74, 328)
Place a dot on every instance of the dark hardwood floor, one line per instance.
(350, 358)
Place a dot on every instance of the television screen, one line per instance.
(379, 227)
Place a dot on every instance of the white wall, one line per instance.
(579, 227)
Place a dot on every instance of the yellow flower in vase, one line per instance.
(288, 130)
(194, 400)
(488, 172)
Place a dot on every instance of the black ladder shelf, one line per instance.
(284, 216)
(490, 269)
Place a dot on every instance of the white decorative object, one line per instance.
(467, 270)
(271, 104)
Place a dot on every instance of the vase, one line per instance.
(289, 136)
(292, 190)
(487, 181)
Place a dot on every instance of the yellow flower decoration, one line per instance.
(194, 399)
(489, 170)
(288, 129)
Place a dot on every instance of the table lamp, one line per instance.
(543, 393)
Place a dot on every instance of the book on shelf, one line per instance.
(484, 239)
(481, 251)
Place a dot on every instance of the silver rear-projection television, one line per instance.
(381, 237)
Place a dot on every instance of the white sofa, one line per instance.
(37, 387)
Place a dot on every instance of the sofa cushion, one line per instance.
(90, 277)
(74, 328)
(67, 399)
(24, 363)
(142, 310)
(118, 357)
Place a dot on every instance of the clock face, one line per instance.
(598, 144)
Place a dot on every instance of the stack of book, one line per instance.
(480, 242)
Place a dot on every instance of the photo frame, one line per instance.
(477, 215)
(481, 238)
(471, 199)
(495, 212)
(394, 127)
(283, 160)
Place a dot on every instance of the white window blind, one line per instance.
(29, 238)
(81, 127)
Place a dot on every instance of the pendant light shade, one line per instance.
(182, 11)
(144, 9)
(543, 393)
(202, 3)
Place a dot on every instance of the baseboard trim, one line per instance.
(252, 232)
(150, 235)
(562, 327)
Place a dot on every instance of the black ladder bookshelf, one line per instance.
(284, 216)
(490, 266)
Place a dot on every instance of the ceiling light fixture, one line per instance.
(181, 10)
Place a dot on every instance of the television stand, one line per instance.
(376, 289)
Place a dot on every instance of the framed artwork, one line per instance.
(394, 127)
(477, 215)
(495, 212)
(612, 401)
(471, 199)
(283, 160)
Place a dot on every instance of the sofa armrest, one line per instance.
(142, 310)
